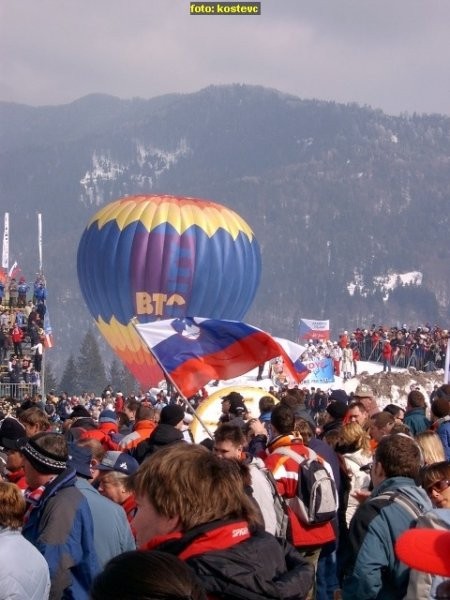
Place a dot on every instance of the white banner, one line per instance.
(40, 241)
(5, 254)
(316, 329)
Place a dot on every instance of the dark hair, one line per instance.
(416, 399)
(283, 419)
(433, 473)
(358, 404)
(229, 433)
(304, 429)
(144, 412)
(382, 419)
(399, 455)
(266, 403)
(291, 400)
(393, 409)
(122, 419)
(132, 404)
(150, 575)
(443, 391)
(440, 407)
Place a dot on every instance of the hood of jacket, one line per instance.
(408, 487)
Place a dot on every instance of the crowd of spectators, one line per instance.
(22, 337)
(78, 460)
(421, 347)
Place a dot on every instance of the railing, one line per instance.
(18, 391)
(403, 356)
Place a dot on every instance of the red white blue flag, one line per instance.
(194, 351)
(313, 329)
(295, 351)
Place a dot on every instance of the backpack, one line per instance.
(315, 501)
(281, 508)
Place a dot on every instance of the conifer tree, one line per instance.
(128, 382)
(91, 369)
(69, 379)
(115, 375)
(50, 382)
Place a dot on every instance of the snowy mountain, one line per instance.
(350, 205)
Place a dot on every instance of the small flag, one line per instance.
(48, 333)
(194, 351)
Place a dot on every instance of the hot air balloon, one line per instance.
(162, 257)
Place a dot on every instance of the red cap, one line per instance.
(425, 550)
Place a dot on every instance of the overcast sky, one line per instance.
(389, 54)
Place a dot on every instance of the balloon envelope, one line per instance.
(210, 409)
(161, 257)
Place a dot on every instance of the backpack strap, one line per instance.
(403, 500)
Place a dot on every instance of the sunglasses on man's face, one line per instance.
(438, 486)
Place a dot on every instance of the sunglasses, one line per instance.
(439, 486)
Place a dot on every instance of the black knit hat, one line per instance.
(42, 460)
(337, 409)
(171, 415)
(10, 431)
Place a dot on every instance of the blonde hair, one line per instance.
(13, 506)
(190, 482)
(352, 434)
(431, 446)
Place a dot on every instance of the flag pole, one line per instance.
(41, 273)
(183, 397)
(41, 265)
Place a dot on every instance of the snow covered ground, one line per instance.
(388, 388)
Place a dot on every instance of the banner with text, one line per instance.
(313, 329)
(320, 371)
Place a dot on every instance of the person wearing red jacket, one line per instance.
(387, 355)
(308, 539)
(17, 339)
(143, 428)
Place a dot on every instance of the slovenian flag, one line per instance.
(194, 351)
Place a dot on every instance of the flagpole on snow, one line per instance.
(183, 397)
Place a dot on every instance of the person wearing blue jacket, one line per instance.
(440, 413)
(415, 416)
(58, 522)
(372, 570)
(112, 532)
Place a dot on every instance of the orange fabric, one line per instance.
(285, 472)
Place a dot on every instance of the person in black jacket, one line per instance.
(192, 505)
(167, 432)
